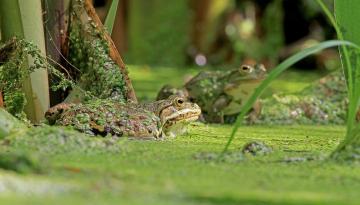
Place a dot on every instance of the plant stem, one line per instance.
(23, 18)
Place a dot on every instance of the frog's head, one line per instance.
(246, 73)
(54, 113)
(240, 85)
(175, 112)
(244, 77)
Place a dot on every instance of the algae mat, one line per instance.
(182, 171)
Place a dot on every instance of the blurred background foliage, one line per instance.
(192, 35)
(219, 32)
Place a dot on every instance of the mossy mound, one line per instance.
(55, 140)
(323, 102)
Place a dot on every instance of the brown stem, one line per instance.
(114, 54)
(1, 100)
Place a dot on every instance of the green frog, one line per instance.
(221, 94)
(157, 119)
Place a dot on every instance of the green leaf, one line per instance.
(110, 18)
(275, 72)
(346, 26)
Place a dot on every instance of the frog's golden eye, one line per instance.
(179, 101)
(246, 68)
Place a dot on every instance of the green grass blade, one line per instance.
(110, 18)
(345, 57)
(348, 18)
(275, 73)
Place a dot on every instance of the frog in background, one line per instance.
(221, 94)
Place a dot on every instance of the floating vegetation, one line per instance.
(51, 140)
(22, 162)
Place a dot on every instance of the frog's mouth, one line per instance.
(182, 116)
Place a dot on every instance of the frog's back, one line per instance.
(201, 77)
(113, 118)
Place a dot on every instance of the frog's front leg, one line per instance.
(216, 113)
(255, 112)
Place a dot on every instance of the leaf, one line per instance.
(110, 18)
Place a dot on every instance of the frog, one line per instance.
(153, 120)
(221, 94)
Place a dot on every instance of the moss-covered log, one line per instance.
(99, 67)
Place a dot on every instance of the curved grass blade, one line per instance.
(275, 73)
(110, 17)
(351, 81)
(347, 18)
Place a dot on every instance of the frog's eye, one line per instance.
(246, 68)
(179, 101)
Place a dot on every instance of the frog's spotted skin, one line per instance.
(220, 94)
(151, 120)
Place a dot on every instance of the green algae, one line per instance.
(166, 172)
(349, 150)
(51, 140)
(323, 102)
(22, 162)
